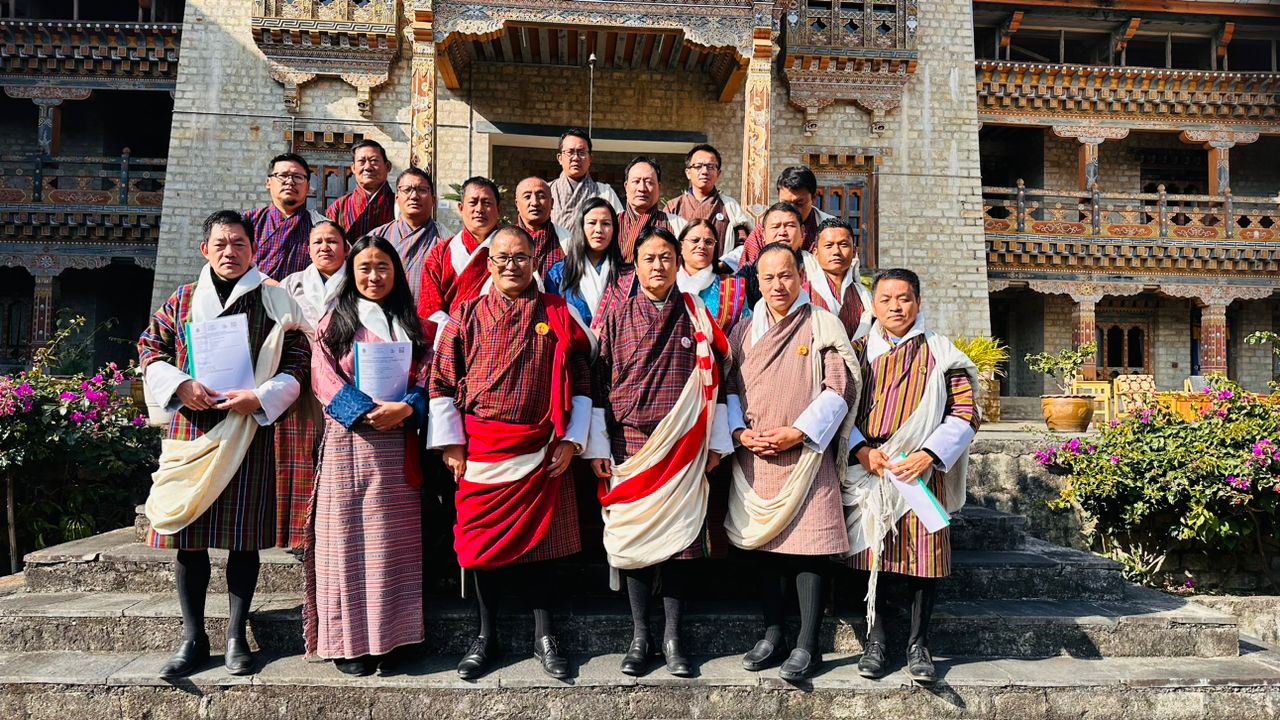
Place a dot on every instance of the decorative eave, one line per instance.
(874, 84)
(92, 55)
(306, 39)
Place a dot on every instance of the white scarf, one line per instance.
(374, 319)
(321, 294)
(697, 282)
(459, 258)
(591, 286)
(205, 304)
(818, 281)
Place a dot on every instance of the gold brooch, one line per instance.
(803, 349)
(542, 328)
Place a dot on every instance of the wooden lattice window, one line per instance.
(870, 24)
(851, 202)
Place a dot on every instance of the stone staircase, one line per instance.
(1025, 629)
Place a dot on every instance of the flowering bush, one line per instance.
(76, 448)
(1154, 482)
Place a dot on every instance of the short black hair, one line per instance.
(903, 274)
(289, 157)
(833, 223)
(574, 132)
(798, 177)
(645, 160)
(483, 182)
(370, 144)
(662, 234)
(703, 147)
(782, 206)
(418, 173)
(780, 248)
(226, 217)
(342, 232)
(510, 229)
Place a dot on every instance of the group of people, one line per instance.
(719, 386)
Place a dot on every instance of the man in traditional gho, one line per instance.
(415, 231)
(533, 208)
(657, 429)
(833, 280)
(575, 186)
(704, 201)
(457, 270)
(795, 378)
(798, 186)
(282, 230)
(510, 407)
(916, 420)
(642, 213)
(215, 485)
(372, 203)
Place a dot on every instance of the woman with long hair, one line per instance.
(593, 275)
(725, 295)
(364, 555)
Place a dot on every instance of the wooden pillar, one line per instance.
(756, 123)
(1088, 166)
(49, 126)
(422, 107)
(1213, 339)
(1218, 143)
(1084, 330)
(42, 312)
(1090, 137)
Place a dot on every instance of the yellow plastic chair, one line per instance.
(1133, 392)
(1101, 392)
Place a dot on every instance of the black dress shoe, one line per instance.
(359, 667)
(547, 650)
(800, 665)
(636, 662)
(677, 663)
(190, 657)
(238, 658)
(920, 665)
(764, 655)
(476, 662)
(872, 663)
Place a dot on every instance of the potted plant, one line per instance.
(989, 354)
(1065, 412)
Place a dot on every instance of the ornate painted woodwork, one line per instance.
(90, 55)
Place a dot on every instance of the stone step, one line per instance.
(119, 686)
(1145, 623)
(114, 562)
(972, 528)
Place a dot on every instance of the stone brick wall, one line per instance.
(930, 197)
(1171, 344)
(1252, 365)
(1059, 329)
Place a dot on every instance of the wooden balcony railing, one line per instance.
(1023, 210)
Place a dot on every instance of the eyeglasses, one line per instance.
(505, 260)
(289, 178)
(415, 190)
(700, 241)
(699, 167)
(575, 153)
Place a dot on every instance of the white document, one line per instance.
(219, 350)
(922, 503)
(382, 369)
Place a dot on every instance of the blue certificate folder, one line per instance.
(382, 369)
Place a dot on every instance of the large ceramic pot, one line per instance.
(1067, 413)
(990, 399)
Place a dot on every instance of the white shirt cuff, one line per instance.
(737, 419)
(950, 441)
(161, 382)
(721, 438)
(579, 421)
(276, 396)
(856, 437)
(821, 420)
(597, 446)
(440, 318)
(444, 427)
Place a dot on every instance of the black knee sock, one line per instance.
(534, 581)
(242, 579)
(675, 587)
(924, 591)
(771, 584)
(486, 588)
(809, 586)
(192, 571)
(639, 590)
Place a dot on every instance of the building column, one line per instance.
(423, 105)
(1213, 339)
(756, 137)
(1084, 330)
(42, 312)
(1219, 144)
(48, 100)
(1090, 137)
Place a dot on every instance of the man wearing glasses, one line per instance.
(415, 232)
(575, 186)
(372, 202)
(704, 201)
(282, 229)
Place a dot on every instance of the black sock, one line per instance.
(675, 586)
(192, 571)
(486, 588)
(924, 591)
(242, 580)
(809, 585)
(639, 589)
(534, 581)
(771, 584)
